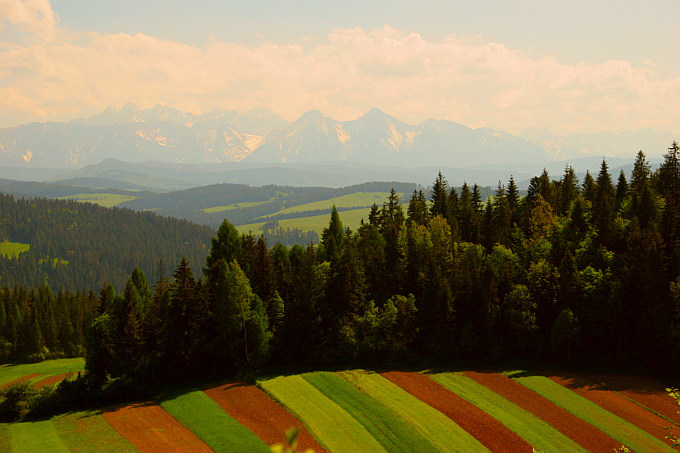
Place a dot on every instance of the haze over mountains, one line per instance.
(260, 136)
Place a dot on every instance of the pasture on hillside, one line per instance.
(13, 249)
(365, 411)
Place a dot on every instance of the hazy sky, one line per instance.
(578, 66)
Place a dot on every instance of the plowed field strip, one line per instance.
(645, 391)
(620, 406)
(149, 428)
(486, 429)
(585, 434)
(35, 436)
(52, 380)
(390, 430)
(440, 430)
(615, 426)
(537, 432)
(88, 432)
(21, 379)
(205, 418)
(332, 425)
(259, 413)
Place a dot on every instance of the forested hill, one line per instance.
(73, 245)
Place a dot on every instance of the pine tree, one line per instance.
(440, 197)
(332, 237)
(621, 189)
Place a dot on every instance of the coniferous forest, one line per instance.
(576, 272)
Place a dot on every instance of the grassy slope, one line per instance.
(355, 200)
(329, 423)
(616, 427)
(534, 430)
(35, 437)
(106, 200)
(205, 418)
(383, 424)
(440, 430)
(12, 249)
(316, 223)
(229, 207)
(47, 368)
(88, 432)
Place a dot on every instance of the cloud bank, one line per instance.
(48, 72)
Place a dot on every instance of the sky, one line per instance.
(567, 67)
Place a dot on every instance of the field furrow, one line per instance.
(35, 437)
(486, 429)
(151, 429)
(534, 430)
(219, 430)
(585, 434)
(619, 406)
(332, 425)
(395, 434)
(21, 379)
(88, 432)
(646, 392)
(622, 430)
(255, 410)
(440, 430)
(52, 379)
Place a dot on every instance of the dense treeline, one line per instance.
(39, 324)
(78, 246)
(581, 272)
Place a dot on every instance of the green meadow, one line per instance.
(12, 249)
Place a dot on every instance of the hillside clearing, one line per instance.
(13, 249)
(43, 370)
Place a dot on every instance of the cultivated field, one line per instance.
(361, 411)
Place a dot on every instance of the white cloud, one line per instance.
(48, 72)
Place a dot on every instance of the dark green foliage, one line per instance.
(549, 276)
(79, 246)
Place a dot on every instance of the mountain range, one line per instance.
(165, 134)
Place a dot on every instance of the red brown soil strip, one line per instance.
(150, 429)
(645, 391)
(21, 379)
(582, 432)
(52, 380)
(618, 405)
(269, 420)
(490, 432)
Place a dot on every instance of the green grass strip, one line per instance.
(335, 429)
(390, 430)
(32, 437)
(88, 432)
(48, 368)
(442, 432)
(526, 425)
(616, 427)
(205, 418)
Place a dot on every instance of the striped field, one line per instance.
(364, 411)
